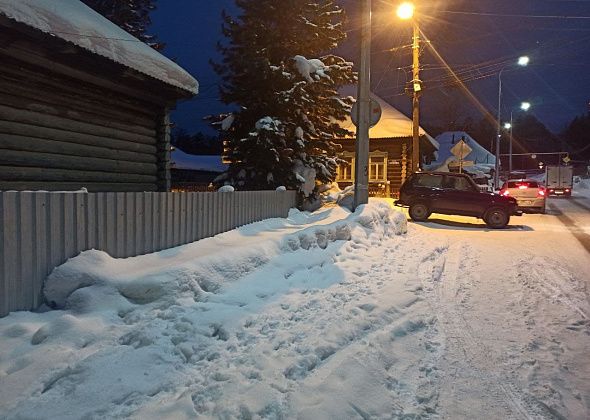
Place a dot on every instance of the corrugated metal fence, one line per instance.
(41, 230)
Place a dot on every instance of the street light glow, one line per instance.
(523, 61)
(405, 11)
(525, 106)
(507, 126)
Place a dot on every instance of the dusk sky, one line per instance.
(476, 38)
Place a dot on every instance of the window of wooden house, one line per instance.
(378, 168)
(345, 171)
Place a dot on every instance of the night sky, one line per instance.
(476, 38)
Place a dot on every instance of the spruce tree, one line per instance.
(277, 69)
(130, 15)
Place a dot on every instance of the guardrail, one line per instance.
(41, 230)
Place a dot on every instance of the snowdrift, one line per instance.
(183, 272)
(134, 333)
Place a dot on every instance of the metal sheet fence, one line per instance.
(41, 230)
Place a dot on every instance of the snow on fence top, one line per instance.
(74, 22)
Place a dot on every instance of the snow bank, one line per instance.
(135, 333)
(94, 281)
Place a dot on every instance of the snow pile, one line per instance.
(226, 188)
(156, 336)
(333, 194)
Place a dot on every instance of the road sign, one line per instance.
(566, 159)
(461, 150)
(375, 113)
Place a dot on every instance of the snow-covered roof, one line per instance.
(182, 160)
(479, 155)
(74, 22)
(392, 124)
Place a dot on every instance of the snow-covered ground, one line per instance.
(324, 315)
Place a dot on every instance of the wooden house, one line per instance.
(194, 172)
(82, 102)
(390, 142)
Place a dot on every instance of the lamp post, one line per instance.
(525, 106)
(405, 11)
(522, 61)
(361, 177)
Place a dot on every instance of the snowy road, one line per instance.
(326, 316)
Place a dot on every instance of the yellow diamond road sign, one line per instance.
(461, 150)
(566, 159)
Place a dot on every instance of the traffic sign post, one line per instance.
(461, 150)
(375, 113)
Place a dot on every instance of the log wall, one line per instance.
(61, 133)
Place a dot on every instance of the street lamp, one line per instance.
(524, 106)
(405, 11)
(522, 61)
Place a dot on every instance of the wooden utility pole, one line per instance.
(417, 90)
(361, 175)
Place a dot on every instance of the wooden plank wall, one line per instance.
(58, 133)
(41, 230)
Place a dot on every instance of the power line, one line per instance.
(513, 15)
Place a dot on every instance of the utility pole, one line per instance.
(361, 165)
(417, 90)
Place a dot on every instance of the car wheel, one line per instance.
(419, 212)
(496, 218)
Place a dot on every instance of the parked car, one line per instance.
(456, 194)
(529, 194)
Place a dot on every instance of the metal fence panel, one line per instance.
(41, 230)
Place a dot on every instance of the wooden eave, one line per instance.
(56, 55)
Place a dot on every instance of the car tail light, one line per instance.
(522, 186)
(567, 190)
(505, 193)
(541, 193)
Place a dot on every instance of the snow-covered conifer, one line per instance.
(277, 69)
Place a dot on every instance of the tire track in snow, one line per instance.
(441, 272)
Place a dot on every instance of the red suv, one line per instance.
(457, 194)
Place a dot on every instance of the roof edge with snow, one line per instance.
(74, 22)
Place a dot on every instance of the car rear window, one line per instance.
(517, 184)
(427, 180)
(457, 183)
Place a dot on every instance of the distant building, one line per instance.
(478, 160)
(194, 172)
(390, 144)
(82, 102)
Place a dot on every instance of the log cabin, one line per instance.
(390, 142)
(83, 104)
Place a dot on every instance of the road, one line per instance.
(513, 308)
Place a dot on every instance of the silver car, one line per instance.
(529, 194)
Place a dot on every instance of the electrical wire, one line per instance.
(456, 12)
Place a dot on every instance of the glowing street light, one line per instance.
(507, 126)
(523, 61)
(405, 11)
(525, 106)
